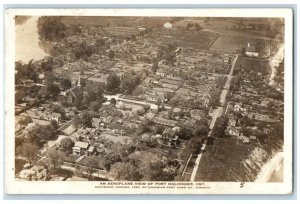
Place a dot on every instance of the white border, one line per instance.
(65, 187)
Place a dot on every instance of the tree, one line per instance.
(29, 151)
(67, 144)
(110, 159)
(113, 82)
(200, 131)
(83, 51)
(111, 54)
(51, 28)
(195, 144)
(129, 83)
(113, 101)
(41, 133)
(86, 119)
(25, 120)
(243, 51)
(76, 121)
(65, 84)
(55, 159)
(53, 89)
(219, 127)
(95, 106)
(100, 42)
(198, 27)
(188, 26)
(154, 67)
(91, 166)
(125, 171)
(185, 132)
(54, 124)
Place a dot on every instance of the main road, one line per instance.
(217, 113)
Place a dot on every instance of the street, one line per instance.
(217, 113)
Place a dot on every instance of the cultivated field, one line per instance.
(198, 40)
(233, 44)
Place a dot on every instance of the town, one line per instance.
(149, 99)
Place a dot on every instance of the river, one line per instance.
(28, 42)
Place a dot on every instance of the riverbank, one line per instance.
(272, 171)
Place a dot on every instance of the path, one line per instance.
(217, 113)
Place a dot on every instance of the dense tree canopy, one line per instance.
(67, 144)
(65, 84)
(29, 151)
(51, 28)
(86, 119)
(113, 82)
(125, 171)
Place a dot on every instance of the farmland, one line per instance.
(232, 44)
(201, 40)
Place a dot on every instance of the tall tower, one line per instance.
(78, 84)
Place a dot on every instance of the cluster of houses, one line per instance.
(250, 112)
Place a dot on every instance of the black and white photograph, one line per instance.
(169, 100)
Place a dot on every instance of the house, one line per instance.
(168, 133)
(161, 73)
(92, 150)
(168, 25)
(232, 120)
(41, 78)
(40, 173)
(96, 122)
(233, 131)
(80, 147)
(252, 50)
(19, 96)
(244, 139)
(97, 80)
(165, 122)
(237, 107)
(154, 98)
(197, 114)
(55, 116)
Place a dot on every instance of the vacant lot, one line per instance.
(223, 162)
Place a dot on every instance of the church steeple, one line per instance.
(78, 84)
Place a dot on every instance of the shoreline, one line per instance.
(269, 169)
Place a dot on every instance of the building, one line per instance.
(55, 116)
(165, 122)
(154, 98)
(168, 25)
(80, 148)
(252, 50)
(99, 80)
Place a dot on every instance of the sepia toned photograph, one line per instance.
(162, 101)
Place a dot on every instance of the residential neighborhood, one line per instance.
(148, 99)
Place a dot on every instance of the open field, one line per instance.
(225, 154)
(233, 44)
(200, 40)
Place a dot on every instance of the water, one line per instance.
(277, 175)
(28, 42)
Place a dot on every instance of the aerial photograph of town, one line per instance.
(148, 98)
